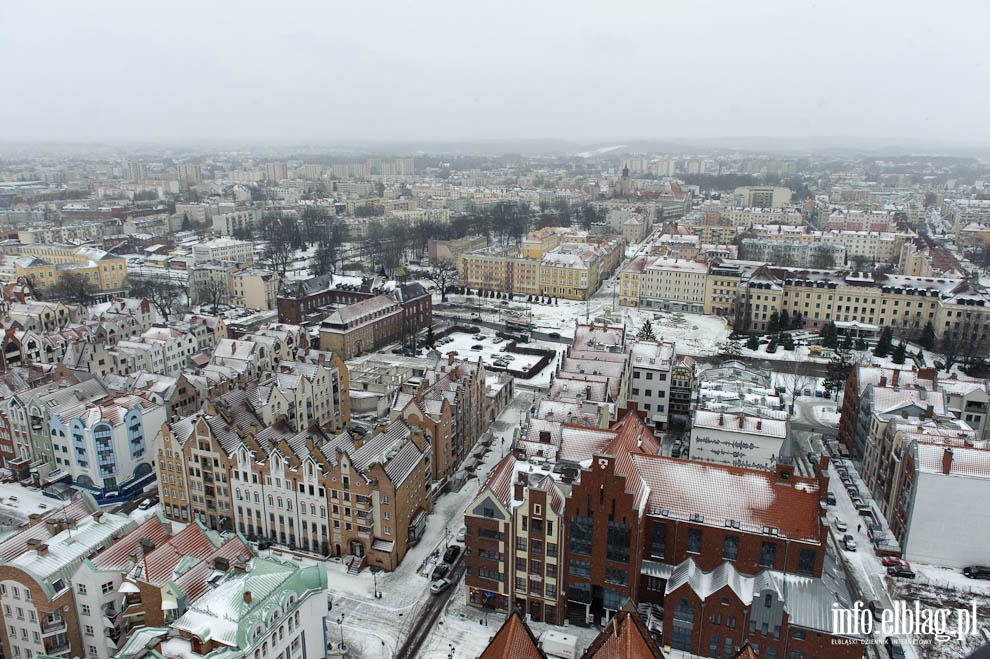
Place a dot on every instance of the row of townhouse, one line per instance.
(918, 440)
(333, 495)
(449, 406)
(81, 582)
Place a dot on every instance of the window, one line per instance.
(658, 546)
(580, 569)
(81, 589)
(798, 633)
(796, 654)
(617, 547)
(806, 561)
(768, 554)
(85, 609)
(90, 631)
(694, 541)
(616, 576)
(767, 601)
(107, 588)
(730, 547)
(581, 532)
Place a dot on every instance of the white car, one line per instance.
(460, 534)
(439, 586)
(840, 525)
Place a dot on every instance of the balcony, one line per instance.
(57, 645)
(49, 628)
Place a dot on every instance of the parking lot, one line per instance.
(486, 345)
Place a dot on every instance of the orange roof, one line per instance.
(746, 652)
(513, 640)
(624, 637)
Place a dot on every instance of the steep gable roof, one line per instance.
(513, 640)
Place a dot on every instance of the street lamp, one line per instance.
(340, 627)
(374, 575)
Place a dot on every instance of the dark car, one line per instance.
(830, 499)
(977, 572)
(554, 335)
(452, 554)
(894, 649)
(900, 572)
(441, 571)
(473, 330)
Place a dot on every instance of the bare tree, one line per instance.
(444, 275)
(73, 287)
(164, 295)
(210, 292)
(795, 380)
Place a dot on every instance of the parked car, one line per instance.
(888, 561)
(900, 572)
(148, 503)
(894, 648)
(441, 571)
(476, 346)
(849, 543)
(840, 525)
(971, 572)
(439, 585)
(500, 363)
(12, 498)
(460, 534)
(554, 335)
(497, 339)
(452, 554)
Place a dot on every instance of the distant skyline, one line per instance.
(903, 72)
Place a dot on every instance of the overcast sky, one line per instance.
(458, 70)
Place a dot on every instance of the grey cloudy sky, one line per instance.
(455, 70)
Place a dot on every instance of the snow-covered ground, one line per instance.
(18, 502)
(827, 414)
(490, 350)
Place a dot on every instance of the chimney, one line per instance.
(883, 381)
(929, 411)
(146, 545)
(947, 461)
(97, 516)
(721, 419)
(894, 376)
(33, 543)
(247, 596)
(544, 436)
(43, 549)
(518, 491)
(221, 563)
(240, 567)
(759, 424)
(741, 420)
(54, 525)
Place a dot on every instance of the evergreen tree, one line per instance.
(773, 325)
(847, 342)
(861, 344)
(646, 331)
(787, 342)
(927, 340)
(884, 343)
(730, 350)
(900, 353)
(830, 336)
(753, 342)
(785, 320)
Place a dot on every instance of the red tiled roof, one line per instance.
(720, 493)
(513, 640)
(500, 482)
(17, 544)
(118, 555)
(193, 583)
(624, 637)
(190, 541)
